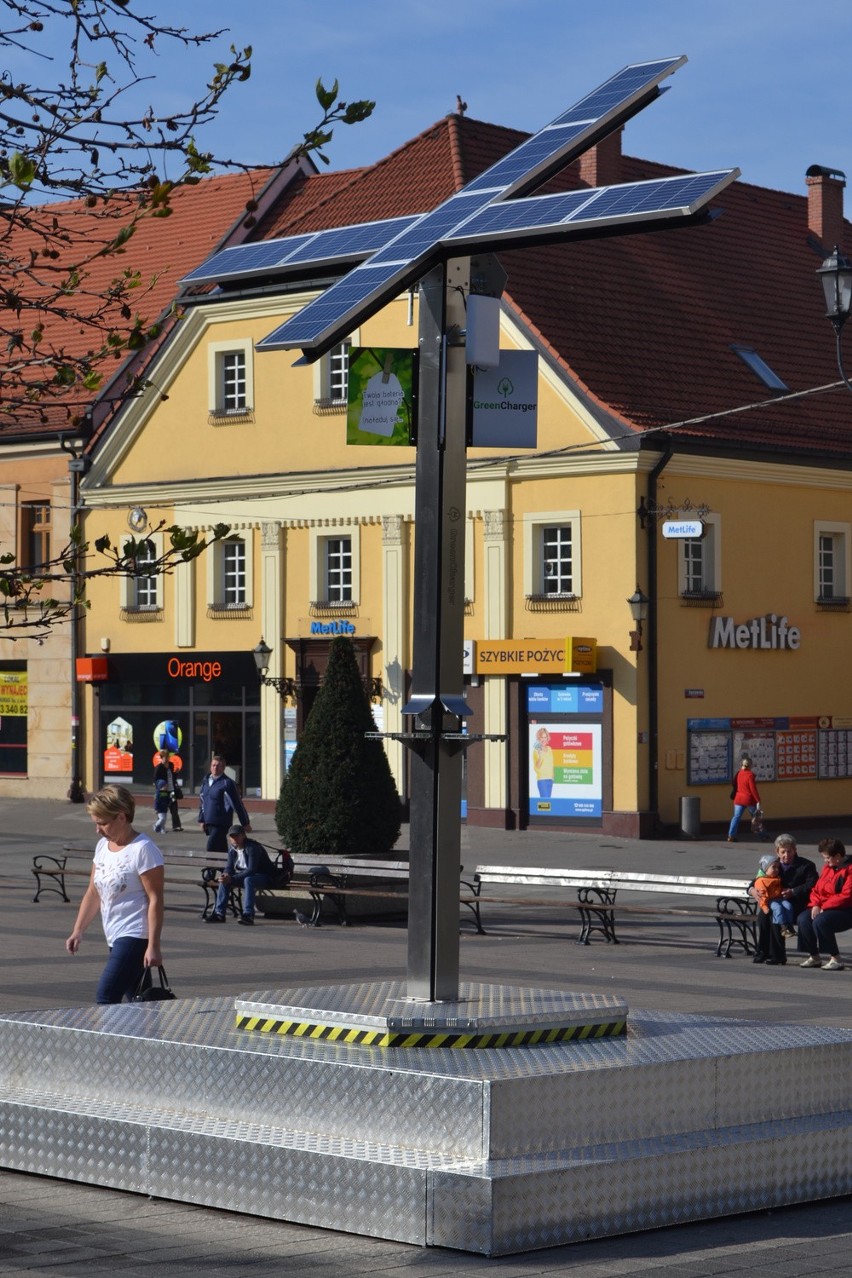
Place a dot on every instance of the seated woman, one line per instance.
(829, 908)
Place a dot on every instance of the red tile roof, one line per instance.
(644, 323)
(161, 249)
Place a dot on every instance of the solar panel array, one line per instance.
(394, 254)
(290, 254)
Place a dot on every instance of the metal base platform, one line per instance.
(496, 1151)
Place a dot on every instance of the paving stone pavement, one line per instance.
(59, 1228)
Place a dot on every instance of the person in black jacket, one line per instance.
(798, 876)
(250, 867)
(219, 805)
(165, 772)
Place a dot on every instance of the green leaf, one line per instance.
(326, 97)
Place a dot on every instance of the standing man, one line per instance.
(798, 876)
(220, 806)
(249, 867)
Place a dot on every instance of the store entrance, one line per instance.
(217, 732)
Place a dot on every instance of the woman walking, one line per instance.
(126, 886)
(744, 794)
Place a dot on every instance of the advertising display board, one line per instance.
(564, 738)
(792, 748)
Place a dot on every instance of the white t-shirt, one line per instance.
(124, 901)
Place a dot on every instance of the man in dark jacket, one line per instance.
(219, 806)
(798, 876)
(249, 867)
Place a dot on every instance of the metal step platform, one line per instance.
(494, 1150)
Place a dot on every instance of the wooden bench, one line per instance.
(53, 872)
(734, 910)
(337, 881)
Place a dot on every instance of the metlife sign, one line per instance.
(505, 402)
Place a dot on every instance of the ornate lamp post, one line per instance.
(836, 277)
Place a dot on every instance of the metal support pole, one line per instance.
(437, 699)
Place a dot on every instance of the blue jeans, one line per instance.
(248, 882)
(782, 913)
(124, 969)
(545, 787)
(739, 809)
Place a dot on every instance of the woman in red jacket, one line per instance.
(829, 909)
(744, 795)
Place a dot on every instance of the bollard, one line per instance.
(690, 816)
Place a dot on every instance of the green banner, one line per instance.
(382, 386)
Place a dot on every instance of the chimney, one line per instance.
(601, 165)
(825, 205)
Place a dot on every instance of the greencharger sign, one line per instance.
(380, 408)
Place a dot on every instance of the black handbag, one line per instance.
(153, 993)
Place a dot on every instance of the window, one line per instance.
(338, 569)
(557, 554)
(35, 534)
(230, 378)
(229, 575)
(331, 376)
(552, 556)
(335, 568)
(831, 563)
(759, 366)
(234, 573)
(699, 577)
(233, 373)
(142, 592)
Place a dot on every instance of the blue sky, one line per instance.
(766, 86)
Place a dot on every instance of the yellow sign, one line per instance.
(581, 656)
(519, 656)
(13, 693)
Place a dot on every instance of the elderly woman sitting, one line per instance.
(829, 908)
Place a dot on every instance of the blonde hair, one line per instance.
(110, 802)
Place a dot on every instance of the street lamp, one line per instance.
(836, 277)
(285, 687)
(638, 603)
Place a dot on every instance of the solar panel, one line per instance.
(284, 255)
(339, 302)
(667, 197)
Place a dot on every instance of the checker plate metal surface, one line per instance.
(493, 1152)
(483, 1016)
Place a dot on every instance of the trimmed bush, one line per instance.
(339, 797)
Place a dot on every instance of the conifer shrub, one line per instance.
(339, 797)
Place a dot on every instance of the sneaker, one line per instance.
(833, 965)
(730, 840)
(811, 962)
(248, 919)
(220, 918)
(788, 931)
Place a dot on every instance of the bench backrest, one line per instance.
(628, 880)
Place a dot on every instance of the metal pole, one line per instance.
(437, 699)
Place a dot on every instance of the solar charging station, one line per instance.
(469, 1116)
(447, 253)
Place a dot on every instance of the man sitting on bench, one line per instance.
(249, 867)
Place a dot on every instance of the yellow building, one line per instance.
(747, 607)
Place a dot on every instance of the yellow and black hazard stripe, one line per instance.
(426, 1038)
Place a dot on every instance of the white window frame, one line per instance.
(711, 550)
(217, 353)
(216, 569)
(130, 599)
(320, 537)
(534, 570)
(323, 376)
(841, 534)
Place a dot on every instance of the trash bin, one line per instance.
(690, 816)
